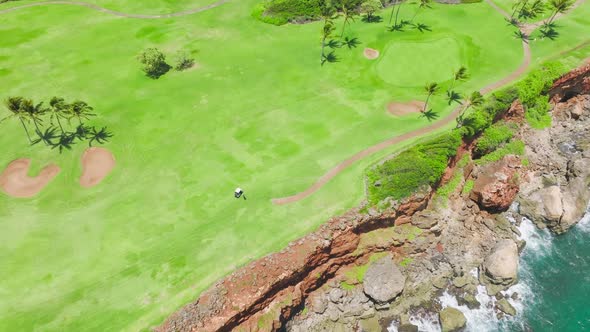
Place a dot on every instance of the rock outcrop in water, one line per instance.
(325, 281)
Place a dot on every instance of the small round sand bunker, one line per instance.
(401, 109)
(15, 182)
(371, 54)
(97, 163)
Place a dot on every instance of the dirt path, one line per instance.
(15, 182)
(413, 134)
(114, 12)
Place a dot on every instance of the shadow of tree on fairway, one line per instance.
(430, 115)
(372, 19)
(421, 27)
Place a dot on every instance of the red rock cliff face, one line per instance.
(285, 277)
(576, 82)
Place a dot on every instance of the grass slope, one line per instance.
(257, 112)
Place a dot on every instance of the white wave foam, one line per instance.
(538, 241)
(584, 224)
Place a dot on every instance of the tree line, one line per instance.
(59, 125)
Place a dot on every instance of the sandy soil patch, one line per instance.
(371, 54)
(97, 163)
(400, 109)
(15, 182)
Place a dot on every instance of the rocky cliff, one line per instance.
(362, 270)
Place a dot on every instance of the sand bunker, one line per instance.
(400, 109)
(15, 182)
(371, 54)
(97, 163)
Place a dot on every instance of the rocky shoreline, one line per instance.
(369, 268)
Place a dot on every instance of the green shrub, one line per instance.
(537, 113)
(445, 191)
(280, 12)
(420, 165)
(468, 187)
(532, 92)
(493, 137)
(515, 147)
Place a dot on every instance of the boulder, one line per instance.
(495, 186)
(506, 307)
(501, 266)
(452, 320)
(319, 304)
(383, 280)
(425, 219)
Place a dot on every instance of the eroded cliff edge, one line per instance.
(368, 267)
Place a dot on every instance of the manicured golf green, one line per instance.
(256, 112)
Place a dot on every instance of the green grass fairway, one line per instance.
(411, 63)
(257, 112)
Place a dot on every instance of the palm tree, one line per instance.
(100, 136)
(80, 110)
(46, 137)
(395, 26)
(13, 104)
(33, 111)
(65, 142)
(328, 14)
(558, 6)
(431, 89)
(518, 5)
(349, 10)
(422, 4)
(57, 110)
(535, 9)
(351, 42)
(460, 75)
(474, 99)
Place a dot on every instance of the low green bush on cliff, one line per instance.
(533, 90)
(515, 147)
(418, 166)
(494, 137)
(482, 117)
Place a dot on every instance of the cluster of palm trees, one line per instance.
(60, 133)
(400, 24)
(349, 9)
(452, 96)
(527, 9)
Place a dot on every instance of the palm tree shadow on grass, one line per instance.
(329, 58)
(372, 19)
(549, 32)
(351, 42)
(421, 27)
(430, 115)
(521, 35)
(453, 96)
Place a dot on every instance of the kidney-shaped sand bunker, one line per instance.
(97, 163)
(15, 182)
